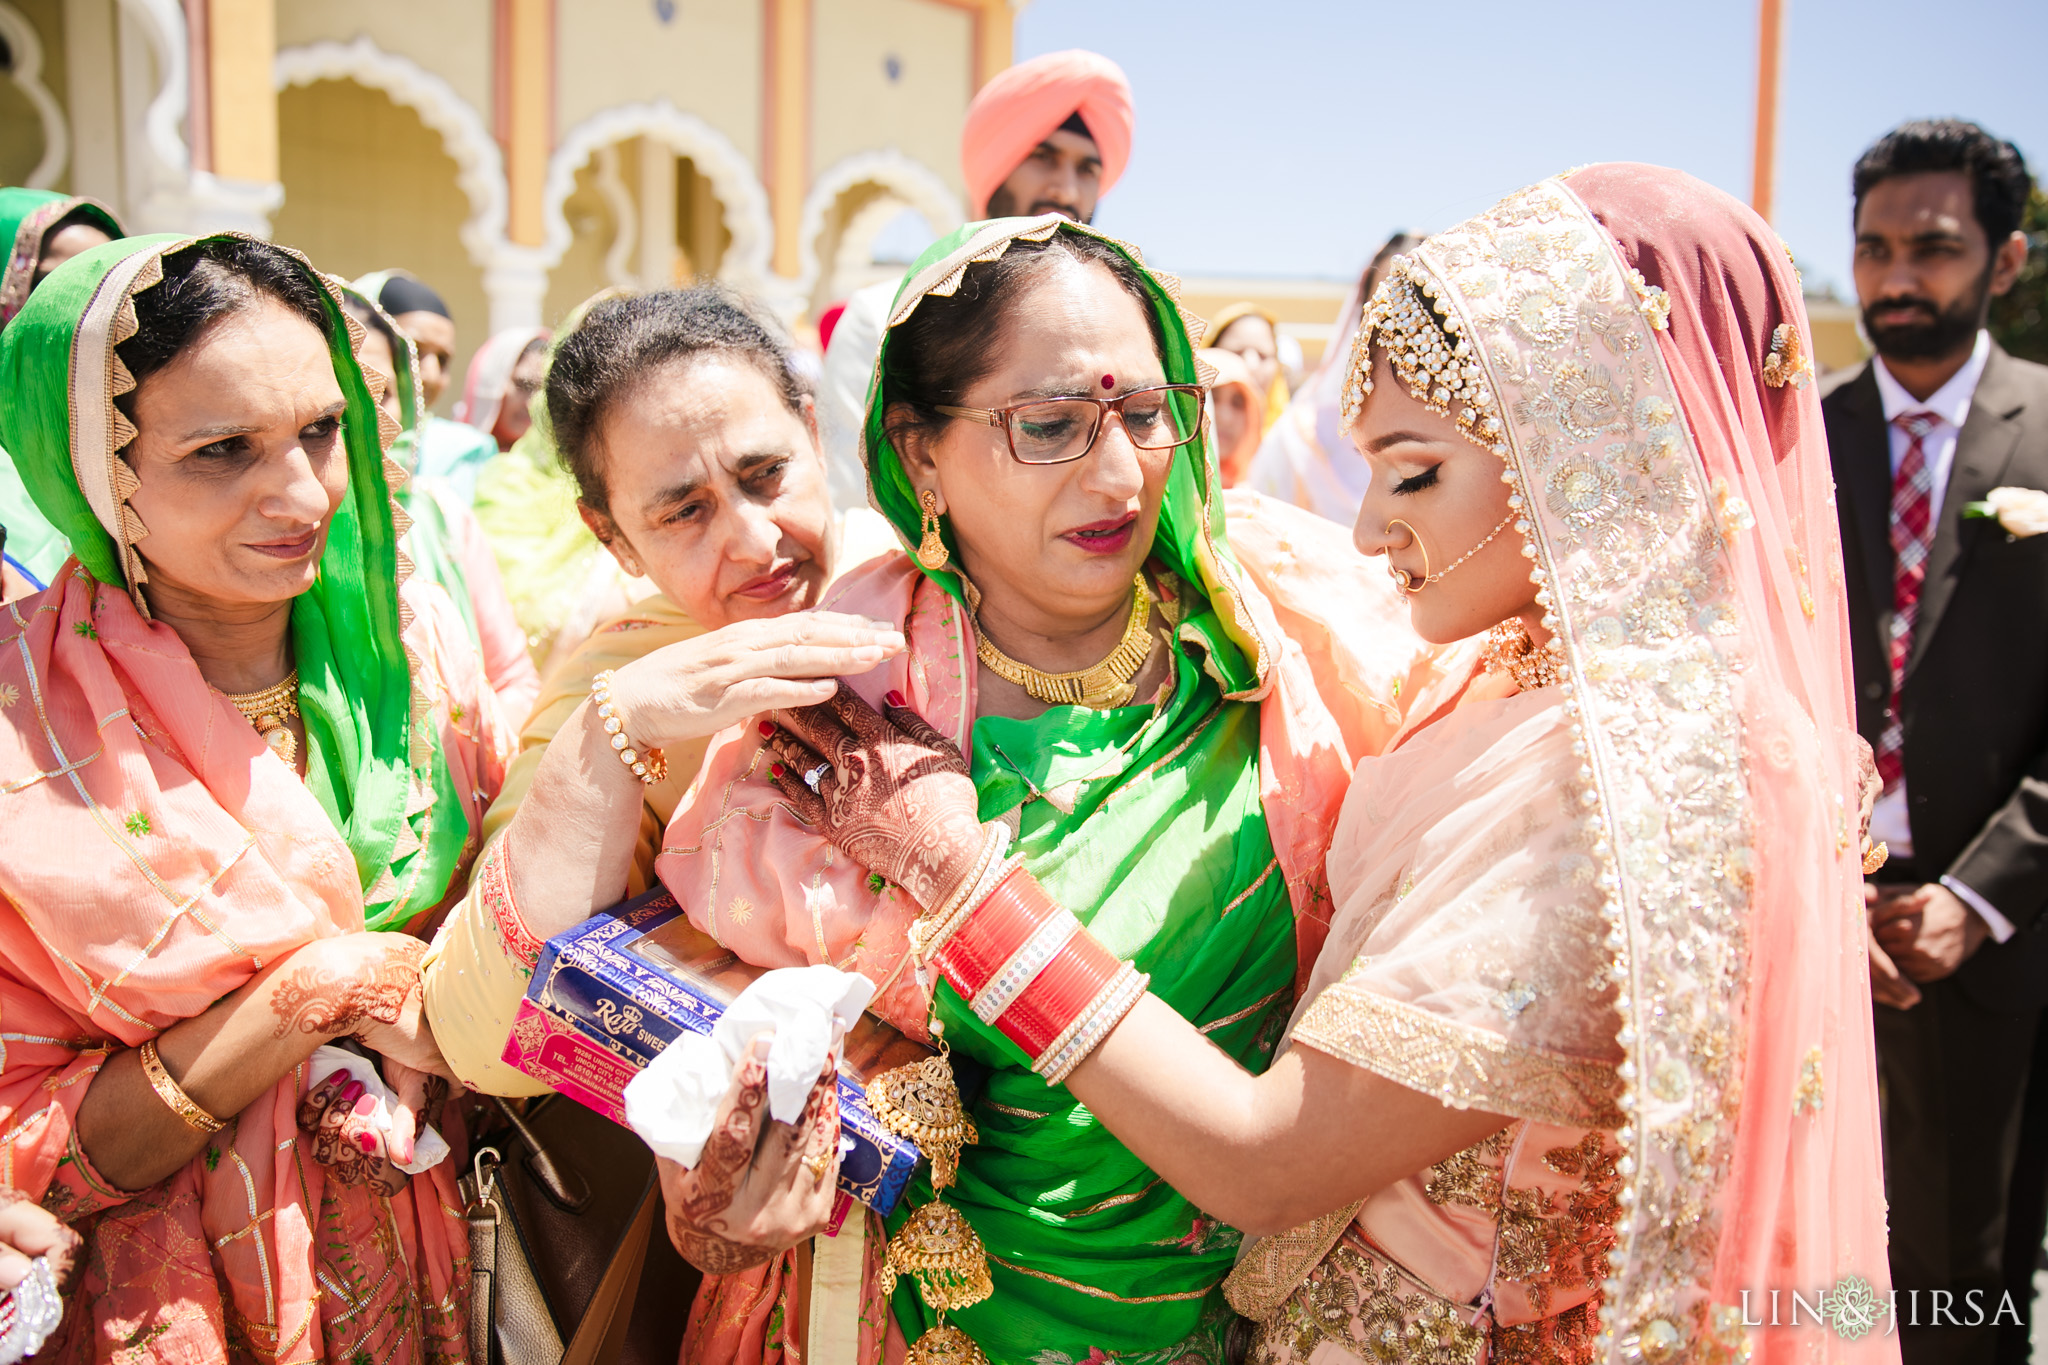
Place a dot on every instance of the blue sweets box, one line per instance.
(612, 992)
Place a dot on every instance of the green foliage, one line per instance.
(2019, 319)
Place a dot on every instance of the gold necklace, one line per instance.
(269, 710)
(1509, 650)
(1107, 684)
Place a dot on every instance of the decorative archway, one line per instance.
(913, 182)
(27, 46)
(480, 165)
(742, 201)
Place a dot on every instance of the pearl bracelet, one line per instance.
(649, 766)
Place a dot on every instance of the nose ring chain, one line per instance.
(1410, 583)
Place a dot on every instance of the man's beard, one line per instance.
(1003, 204)
(1937, 332)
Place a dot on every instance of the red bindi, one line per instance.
(1109, 381)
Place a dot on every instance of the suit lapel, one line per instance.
(1983, 451)
(1865, 470)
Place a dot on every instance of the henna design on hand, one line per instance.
(898, 799)
(344, 1141)
(695, 1223)
(330, 1001)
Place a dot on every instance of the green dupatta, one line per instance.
(373, 764)
(26, 216)
(1146, 822)
(429, 544)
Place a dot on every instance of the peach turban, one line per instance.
(1022, 106)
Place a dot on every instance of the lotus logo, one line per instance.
(1853, 1309)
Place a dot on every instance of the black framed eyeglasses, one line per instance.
(1056, 430)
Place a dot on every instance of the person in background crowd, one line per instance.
(450, 451)
(1251, 332)
(1939, 443)
(1051, 135)
(1305, 459)
(445, 542)
(504, 375)
(257, 760)
(1235, 402)
(39, 230)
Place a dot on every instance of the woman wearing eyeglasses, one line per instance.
(1137, 717)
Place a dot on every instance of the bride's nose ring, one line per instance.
(1410, 583)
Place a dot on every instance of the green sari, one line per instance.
(1146, 821)
(25, 217)
(373, 764)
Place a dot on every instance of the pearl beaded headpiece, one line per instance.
(1428, 352)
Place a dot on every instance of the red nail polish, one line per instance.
(351, 1091)
(366, 1142)
(895, 699)
(775, 768)
(767, 729)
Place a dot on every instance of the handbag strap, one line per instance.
(601, 1335)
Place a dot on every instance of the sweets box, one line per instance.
(612, 992)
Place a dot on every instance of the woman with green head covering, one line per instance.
(445, 543)
(1147, 739)
(40, 230)
(234, 746)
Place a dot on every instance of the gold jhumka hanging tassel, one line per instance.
(936, 1246)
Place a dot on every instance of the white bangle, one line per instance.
(649, 766)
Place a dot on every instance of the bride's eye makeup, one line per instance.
(1415, 483)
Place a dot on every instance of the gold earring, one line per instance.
(1405, 581)
(931, 551)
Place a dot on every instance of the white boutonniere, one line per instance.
(2021, 511)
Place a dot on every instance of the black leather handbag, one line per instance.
(570, 1261)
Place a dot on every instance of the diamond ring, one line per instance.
(812, 777)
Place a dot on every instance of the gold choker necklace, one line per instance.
(1106, 685)
(1510, 651)
(268, 711)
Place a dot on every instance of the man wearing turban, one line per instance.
(1051, 135)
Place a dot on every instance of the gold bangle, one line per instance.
(1874, 856)
(173, 1094)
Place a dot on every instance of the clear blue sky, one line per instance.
(1289, 137)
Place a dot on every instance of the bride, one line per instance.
(1584, 1070)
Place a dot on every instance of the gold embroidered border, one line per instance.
(1464, 1067)
(1271, 1268)
(1092, 1292)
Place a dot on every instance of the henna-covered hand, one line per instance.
(28, 1230)
(749, 1197)
(1870, 786)
(896, 798)
(340, 1118)
(331, 999)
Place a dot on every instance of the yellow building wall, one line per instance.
(21, 128)
(706, 61)
(368, 187)
(451, 38)
(855, 107)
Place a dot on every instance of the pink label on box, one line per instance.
(574, 1066)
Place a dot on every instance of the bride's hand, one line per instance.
(698, 687)
(895, 797)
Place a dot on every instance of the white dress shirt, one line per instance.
(1951, 404)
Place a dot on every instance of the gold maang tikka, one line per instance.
(936, 1245)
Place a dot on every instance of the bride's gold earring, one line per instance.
(1405, 581)
(931, 550)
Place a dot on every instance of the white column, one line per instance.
(516, 283)
(95, 101)
(657, 213)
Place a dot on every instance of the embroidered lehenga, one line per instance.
(1622, 911)
(158, 853)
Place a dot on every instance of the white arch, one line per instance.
(912, 181)
(731, 175)
(480, 165)
(27, 47)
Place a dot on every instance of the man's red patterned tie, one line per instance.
(1912, 535)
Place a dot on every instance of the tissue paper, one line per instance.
(429, 1148)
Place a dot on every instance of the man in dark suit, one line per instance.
(1949, 623)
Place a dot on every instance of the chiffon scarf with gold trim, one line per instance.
(159, 854)
(1188, 833)
(1634, 901)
